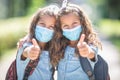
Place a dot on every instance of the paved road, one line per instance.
(5, 63)
(112, 56)
(109, 53)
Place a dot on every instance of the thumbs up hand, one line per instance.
(84, 49)
(33, 51)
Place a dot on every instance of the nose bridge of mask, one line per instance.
(44, 28)
(72, 29)
(73, 34)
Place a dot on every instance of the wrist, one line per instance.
(23, 57)
(91, 55)
(24, 54)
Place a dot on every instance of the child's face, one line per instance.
(69, 21)
(47, 21)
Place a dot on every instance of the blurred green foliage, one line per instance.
(15, 8)
(107, 8)
(35, 4)
(11, 31)
(7, 53)
(116, 41)
(112, 29)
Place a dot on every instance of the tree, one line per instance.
(14, 8)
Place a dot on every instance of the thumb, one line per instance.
(34, 42)
(82, 38)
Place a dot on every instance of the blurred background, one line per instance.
(15, 16)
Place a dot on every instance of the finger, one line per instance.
(84, 54)
(19, 44)
(34, 43)
(21, 41)
(34, 52)
(82, 49)
(82, 38)
(33, 58)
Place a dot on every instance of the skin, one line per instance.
(70, 21)
(33, 51)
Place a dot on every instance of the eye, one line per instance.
(65, 27)
(41, 24)
(76, 24)
(51, 27)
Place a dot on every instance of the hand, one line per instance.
(22, 41)
(33, 51)
(84, 49)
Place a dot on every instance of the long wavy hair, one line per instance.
(51, 10)
(61, 42)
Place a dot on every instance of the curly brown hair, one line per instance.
(60, 42)
(51, 10)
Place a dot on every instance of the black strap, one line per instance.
(30, 68)
(101, 69)
(87, 68)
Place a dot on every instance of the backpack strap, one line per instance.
(87, 68)
(12, 72)
(30, 68)
(101, 69)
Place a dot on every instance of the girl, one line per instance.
(42, 28)
(74, 37)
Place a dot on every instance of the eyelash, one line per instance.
(65, 26)
(42, 24)
(75, 23)
(50, 27)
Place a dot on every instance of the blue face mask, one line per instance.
(73, 34)
(43, 34)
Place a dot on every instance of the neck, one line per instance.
(73, 43)
(42, 45)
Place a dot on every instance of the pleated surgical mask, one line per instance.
(43, 34)
(73, 34)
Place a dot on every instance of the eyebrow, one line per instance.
(41, 20)
(76, 21)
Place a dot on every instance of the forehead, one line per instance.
(47, 19)
(70, 16)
